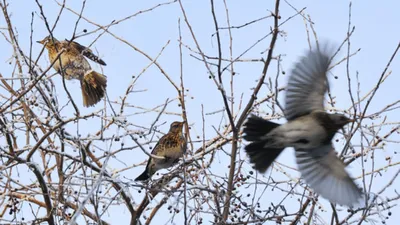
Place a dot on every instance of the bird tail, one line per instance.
(255, 130)
(143, 176)
(93, 87)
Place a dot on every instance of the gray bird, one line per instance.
(309, 130)
(171, 146)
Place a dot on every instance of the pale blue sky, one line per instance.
(376, 33)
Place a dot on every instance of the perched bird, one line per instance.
(309, 130)
(171, 146)
(74, 66)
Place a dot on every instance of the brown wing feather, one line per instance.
(86, 52)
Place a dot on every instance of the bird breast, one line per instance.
(73, 64)
(301, 133)
(172, 155)
(171, 147)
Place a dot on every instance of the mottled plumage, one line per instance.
(86, 52)
(309, 130)
(75, 66)
(171, 146)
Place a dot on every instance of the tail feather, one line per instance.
(261, 156)
(93, 88)
(255, 128)
(143, 176)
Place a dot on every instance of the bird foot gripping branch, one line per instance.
(309, 130)
(72, 64)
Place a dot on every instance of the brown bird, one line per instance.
(73, 65)
(171, 146)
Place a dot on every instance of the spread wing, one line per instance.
(326, 175)
(87, 52)
(307, 84)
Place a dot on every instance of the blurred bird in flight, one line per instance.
(309, 130)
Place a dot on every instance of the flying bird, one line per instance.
(72, 64)
(171, 147)
(309, 130)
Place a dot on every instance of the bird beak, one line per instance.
(351, 120)
(40, 42)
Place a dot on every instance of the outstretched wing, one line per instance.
(87, 52)
(326, 175)
(307, 84)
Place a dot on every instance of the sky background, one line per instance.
(376, 34)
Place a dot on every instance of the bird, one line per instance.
(171, 147)
(309, 131)
(72, 64)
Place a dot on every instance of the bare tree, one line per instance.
(62, 163)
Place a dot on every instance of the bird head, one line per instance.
(176, 127)
(47, 40)
(339, 120)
